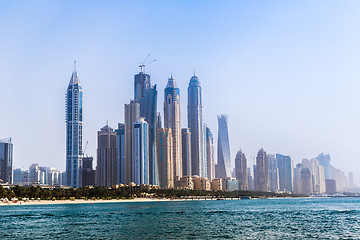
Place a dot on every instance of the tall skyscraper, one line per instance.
(262, 172)
(106, 169)
(148, 110)
(241, 170)
(140, 152)
(132, 113)
(324, 159)
(285, 173)
(172, 119)
(165, 157)
(6, 161)
(74, 125)
(210, 159)
(88, 173)
(120, 146)
(273, 173)
(195, 123)
(186, 151)
(224, 162)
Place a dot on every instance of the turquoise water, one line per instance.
(331, 218)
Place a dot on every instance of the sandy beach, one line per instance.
(77, 201)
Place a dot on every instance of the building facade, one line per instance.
(241, 171)
(74, 125)
(262, 172)
(120, 147)
(88, 173)
(284, 164)
(106, 168)
(186, 151)
(165, 157)
(210, 152)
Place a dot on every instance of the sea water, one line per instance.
(297, 218)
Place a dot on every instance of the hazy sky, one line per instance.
(285, 72)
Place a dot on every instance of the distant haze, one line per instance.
(285, 72)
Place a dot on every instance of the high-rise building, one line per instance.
(262, 172)
(241, 170)
(186, 151)
(147, 96)
(324, 159)
(165, 157)
(224, 162)
(140, 152)
(6, 161)
(88, 173)
(74, 125)
(120, 146)
(53, 177)
(18, 176)
(284, 164)
(297, 178)
(172, 119)
(210, 159)
(195, 123)
(106, 168)
(132, 113)
(273, 173)
(306, 181)
(351, 180)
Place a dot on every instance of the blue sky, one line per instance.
(285, 72)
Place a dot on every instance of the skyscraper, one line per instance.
(172, 119)
(165, 157)
(88, 173)
(147, 96)
(195, 123)
(186, 151)
(210, 159)
(120, 146)
(324, 159)
(273, 173)
(284, 164)
(106, 169)
(74, 124)
(132, 113)
(241, 170)
(262, 172)
(6, 161)
(140, 152)
(224, 162)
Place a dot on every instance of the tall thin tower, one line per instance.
(74, 124)
(195, 123)
(172, 119)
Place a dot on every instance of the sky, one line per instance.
(285, 72)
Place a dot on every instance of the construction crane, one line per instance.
(143, 64)
(87, 142)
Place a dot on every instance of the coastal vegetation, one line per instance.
(125, 192)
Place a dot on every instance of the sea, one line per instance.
(291, 218)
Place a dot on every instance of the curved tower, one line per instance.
(74, 122)
(172, 119)
(224, 162)
(195, 123)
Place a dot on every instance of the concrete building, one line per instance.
(324, 160)
(185, 182)
(74, 127)
(217, 184)
(230, 184)
(186, 151)
(132, 113)
(223, 156)
(53, 177)
(262, 172)
(6, 161)
(284, 164)
(88, 173)
(172, 119)
(18, 176)
(140, 152)
(165, 157)
(195, 123)
(241, 171)
(306, 181)
(330, 186)
(120, 147)
(201, 183)
(106, 168)
(210, 152)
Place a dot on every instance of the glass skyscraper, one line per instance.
(284, 164)
(74, 124)
(140, 146)
(195, 123)
(224, 161)
(6, 161)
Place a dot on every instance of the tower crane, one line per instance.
(143, 64)
(87, 142)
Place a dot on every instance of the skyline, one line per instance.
(289, 124)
